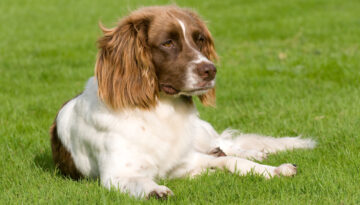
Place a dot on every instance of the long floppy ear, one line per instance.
(124, 69)
(208, 49)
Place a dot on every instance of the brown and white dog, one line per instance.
(136, 121)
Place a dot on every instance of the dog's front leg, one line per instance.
(208, 141)
(132, 177)
(201, 162)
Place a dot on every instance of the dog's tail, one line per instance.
(267, 144)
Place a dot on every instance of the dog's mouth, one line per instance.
(170, 90)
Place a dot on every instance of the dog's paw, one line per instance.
(160, 192)
(285, 170)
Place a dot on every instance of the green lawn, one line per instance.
(286, 68)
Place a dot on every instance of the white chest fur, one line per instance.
(99, 138)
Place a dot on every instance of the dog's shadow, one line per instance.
(44, 161)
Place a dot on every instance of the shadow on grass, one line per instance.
(45, 162)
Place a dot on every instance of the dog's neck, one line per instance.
(177, 101)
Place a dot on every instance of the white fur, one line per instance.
(128, 149)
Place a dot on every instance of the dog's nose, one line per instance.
(206, 71)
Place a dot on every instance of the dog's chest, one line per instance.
(163, 136)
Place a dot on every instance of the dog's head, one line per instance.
(156, 49)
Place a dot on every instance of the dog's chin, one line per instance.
(170, 90)
(195, 92)
(199, 89)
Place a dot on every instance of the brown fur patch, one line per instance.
(209, 48)
(188, 100)
(217, 152)
(62, 157)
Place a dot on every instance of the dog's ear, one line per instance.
(124, 69)
(208, 49)
(209, 98)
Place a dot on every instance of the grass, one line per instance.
(286, 68)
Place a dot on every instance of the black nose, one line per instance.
(206, 71)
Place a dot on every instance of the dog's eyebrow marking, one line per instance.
(184, 32)
(200, 56)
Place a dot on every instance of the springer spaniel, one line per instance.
(136, 120)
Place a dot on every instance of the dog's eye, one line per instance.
(201, 38)
(168, 44)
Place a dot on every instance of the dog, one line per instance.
(136, 120)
